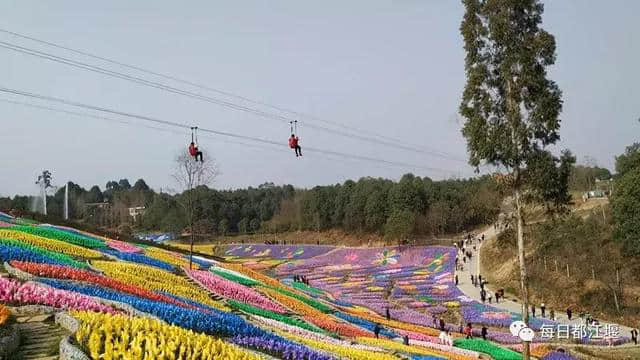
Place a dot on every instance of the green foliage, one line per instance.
(510, 106)
(399, 225)
(625, 205)
(367, 205)
(223, 227)
(548, 178)
(243, 226)
(584, 177)
(496, 352)
(629, 160)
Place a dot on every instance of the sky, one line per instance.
(394, 68)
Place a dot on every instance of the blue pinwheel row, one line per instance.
(365, 324)
(140, 259)
(14, 250)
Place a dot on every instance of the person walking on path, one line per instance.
(461, 327)
(468, 331)
(435, 320)
(542, 309)
(376, 330)
(456, 278)
(441, 324)
(483, 296)
(569, 313)
(533, 310)
(405, 339)
(388, 314)
(552, 315)
(634, 336)
(472, 281)
(484, 332)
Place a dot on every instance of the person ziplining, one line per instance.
(193, 147)
(293, 140)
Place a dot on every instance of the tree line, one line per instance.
(412, 206)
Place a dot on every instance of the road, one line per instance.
(473, 292)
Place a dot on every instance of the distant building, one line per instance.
(100, 205)
(134, 212)
(601, 189)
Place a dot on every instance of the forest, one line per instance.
(412, 206)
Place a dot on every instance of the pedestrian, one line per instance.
(468, 331)
(482, 285)
(533, 310)
(489, 296)
(376, 330)
(634, 336)
(461, 327)
(569, 313)
(482, 237)
(542, 309)
(456, 279)
(497, 296)
(472, 281)
(441, 324)
(483, 296)
(388, 314)
(480, 278)
(405, 340)
(484, 332)
(442, 337)
(435, 320)
(552, 315)
(464, 259)
(449, 339)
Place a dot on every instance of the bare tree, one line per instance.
(189, 174)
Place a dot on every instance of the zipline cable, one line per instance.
(224, 103)
(216, 132)
(209, 88)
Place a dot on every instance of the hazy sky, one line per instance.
(392, 67)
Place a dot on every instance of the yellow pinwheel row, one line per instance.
(155, 279)
(253, 274)
(166, 256)
(110, 337)
(410, 349)
(342, 351)
(51, 244)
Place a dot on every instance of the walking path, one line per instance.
(473, 267)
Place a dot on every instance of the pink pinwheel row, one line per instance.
(8, 287)
(122, 246)
(235, 291)
(33, 293)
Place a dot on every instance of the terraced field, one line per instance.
(128, 301)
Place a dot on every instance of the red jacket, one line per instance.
(293, 142)
(193, 150)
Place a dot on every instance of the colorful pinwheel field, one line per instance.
(131, 301)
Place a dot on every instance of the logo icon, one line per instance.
(520, 329)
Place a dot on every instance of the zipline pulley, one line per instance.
(294, 126)
(194, 134)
